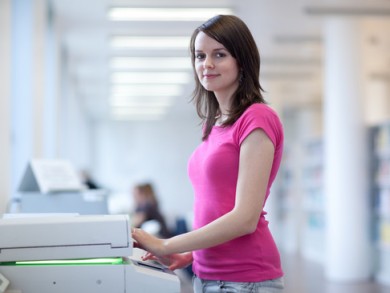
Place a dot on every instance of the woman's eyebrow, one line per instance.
(216, 49)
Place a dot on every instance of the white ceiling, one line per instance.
(289, 39)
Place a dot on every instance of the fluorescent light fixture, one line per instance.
(124, 113)
(150, 42)
(135, 117)
(138, 111)
(147, 63)
(146, 90)
(141, 101)
(164, 14)
(150, 77)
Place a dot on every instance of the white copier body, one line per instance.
(78, 254)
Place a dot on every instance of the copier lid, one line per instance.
(64, 237)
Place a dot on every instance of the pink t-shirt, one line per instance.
(213, 171)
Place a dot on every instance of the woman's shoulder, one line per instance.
(260, 109)
(262, 116)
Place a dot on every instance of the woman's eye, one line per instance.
(219, 55)
(199, 56)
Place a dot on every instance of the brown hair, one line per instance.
(236, 37)
(147, 191)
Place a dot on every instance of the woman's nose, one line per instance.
(208, 63)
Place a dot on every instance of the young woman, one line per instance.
(230, 247)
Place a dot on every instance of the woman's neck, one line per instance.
(225, 98)
(220, 119)
(224, 104)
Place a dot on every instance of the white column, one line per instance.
(5, 86)
(27, 83)
(38, 76)
(346, 164)
(52, 87)
(20, 88)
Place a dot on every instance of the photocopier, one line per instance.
(65, 253)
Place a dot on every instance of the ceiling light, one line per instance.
(146, 90)
(164, 14)
(152, 43)
(138, 113)
(135, 117)
(162, 63)
(138, 110)
(141, 101)
(150, 77)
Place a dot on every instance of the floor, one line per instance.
(302, 276)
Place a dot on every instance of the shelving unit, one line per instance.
(302, 200)
(290, 199)
(313, 235)
(381, 199)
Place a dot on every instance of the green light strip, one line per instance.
(93, 261)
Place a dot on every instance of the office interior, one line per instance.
(67, 66)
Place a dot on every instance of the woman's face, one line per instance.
(215, 67)
(138, 195)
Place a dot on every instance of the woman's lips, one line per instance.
(210, 76)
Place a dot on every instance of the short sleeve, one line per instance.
(260, 116)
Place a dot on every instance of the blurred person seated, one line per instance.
(146, 212)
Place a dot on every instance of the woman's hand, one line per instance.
(172, 261)
(148, 242)
(155, 251)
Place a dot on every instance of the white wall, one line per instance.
(75, 127)
(28, 82)
(75, 131)
(129, 152)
